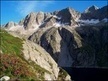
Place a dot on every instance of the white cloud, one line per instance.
(25, 7)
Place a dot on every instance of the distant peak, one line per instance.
(68, 8)
(94, 6)
(32, 13)
(91, 9)
(10, 22)
(40, 12)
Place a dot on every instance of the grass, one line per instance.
(39, 70)
(12, 62)
(10, 44)
(16, 68)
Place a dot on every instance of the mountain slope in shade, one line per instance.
(75, 47)
(91, 9)
(95, 13)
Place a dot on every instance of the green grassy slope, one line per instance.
(13, 64)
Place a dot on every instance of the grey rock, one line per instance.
(37, 54)
(49, 22)
(9, 24)
(29, 21)
(40, 17)
(5, 78)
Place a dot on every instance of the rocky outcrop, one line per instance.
(5, 78)
(41, 57)
(10, 24)
(30, 21)
(49, 22)
(40, 17)
(68, 16)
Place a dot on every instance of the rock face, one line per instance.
(59, 42)
(30, 21)
(71, 47)
(10, 24)
(41, 57)
(68, 16)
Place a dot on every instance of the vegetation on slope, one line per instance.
(16, 68)
(13, 64)
(10, 44)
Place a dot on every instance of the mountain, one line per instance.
(64, 38)
(94, 13)
(91, 9)
(66, 41)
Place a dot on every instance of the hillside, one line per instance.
(15, 64)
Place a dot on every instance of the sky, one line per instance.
(17, 10)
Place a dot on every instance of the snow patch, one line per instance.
(57, 24)
(105, 20)
(92, 21)
(21, 30)
(56, 17)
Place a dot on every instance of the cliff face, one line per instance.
(82, 46)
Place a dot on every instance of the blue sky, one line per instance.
(17, 10)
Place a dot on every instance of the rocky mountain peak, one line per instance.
(65, 17)
(10, 24)
(95, 13)
(39, 17)
(68, 8)
(30, 20)
(68, 15)
(91, 9)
